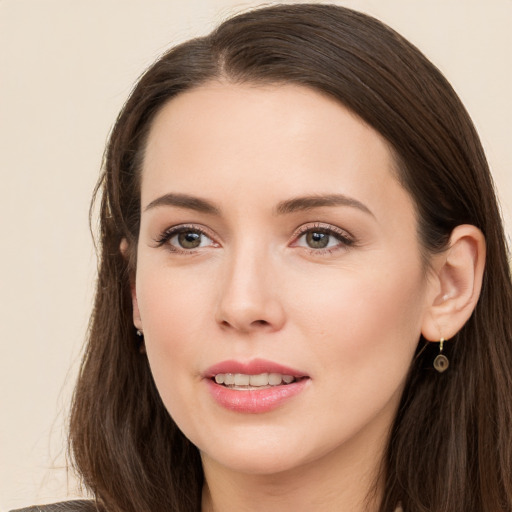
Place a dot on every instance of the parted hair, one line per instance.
(450, 446)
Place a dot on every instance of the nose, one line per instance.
(250, 298)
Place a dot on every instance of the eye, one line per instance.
(320, 238)
(185, 239)
(189, 240)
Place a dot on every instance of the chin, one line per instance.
(265, 454)
(257, 464)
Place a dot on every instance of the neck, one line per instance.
(343, 480)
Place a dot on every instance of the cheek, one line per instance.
(362, 334)
(170, 299)
(364, 320)
(174, 327)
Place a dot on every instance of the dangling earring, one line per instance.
(139, 333)
(441, 362)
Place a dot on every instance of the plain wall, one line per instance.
(66, 67)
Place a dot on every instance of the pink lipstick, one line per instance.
(253, 387)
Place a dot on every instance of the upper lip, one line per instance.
(252, 367)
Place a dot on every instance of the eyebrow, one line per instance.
(317, 201)
(184, 201)
(288, 206)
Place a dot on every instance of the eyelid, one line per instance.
(323, 226)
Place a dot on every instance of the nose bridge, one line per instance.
(248, 297)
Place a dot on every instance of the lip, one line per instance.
(253, 367)
(254, 401)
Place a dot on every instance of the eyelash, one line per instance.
(343, 237)
(168, 234)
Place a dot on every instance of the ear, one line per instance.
(124, 249)
(456, 282)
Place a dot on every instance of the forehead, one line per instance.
(224, 137)
(273, 112)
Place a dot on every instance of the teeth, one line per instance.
(241, 379)
(274, 379)
(260, 380)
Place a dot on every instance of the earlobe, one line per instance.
(123, 248)
(456, 283)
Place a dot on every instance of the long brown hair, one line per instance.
(450, 447)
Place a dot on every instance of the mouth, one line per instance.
(248, 382)
(254, 387)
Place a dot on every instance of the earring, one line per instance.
(142, 346)
(441, 362)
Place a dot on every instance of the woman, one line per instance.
(292, 309)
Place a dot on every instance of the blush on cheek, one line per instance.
(367, 316)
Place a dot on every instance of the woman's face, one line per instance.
(276, 245)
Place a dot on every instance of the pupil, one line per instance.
(317, 239)
(189, 240)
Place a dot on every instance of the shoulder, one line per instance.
(64, 506)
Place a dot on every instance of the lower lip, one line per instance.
(255, 401)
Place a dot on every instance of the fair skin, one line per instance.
(229, 268)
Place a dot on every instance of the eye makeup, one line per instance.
(320, 238)
(185, 239)
(317, 238)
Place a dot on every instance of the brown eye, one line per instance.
(182, 239)
(189, 239)
(321, 239)
(317, 239)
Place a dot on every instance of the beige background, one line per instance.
(66, 67)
